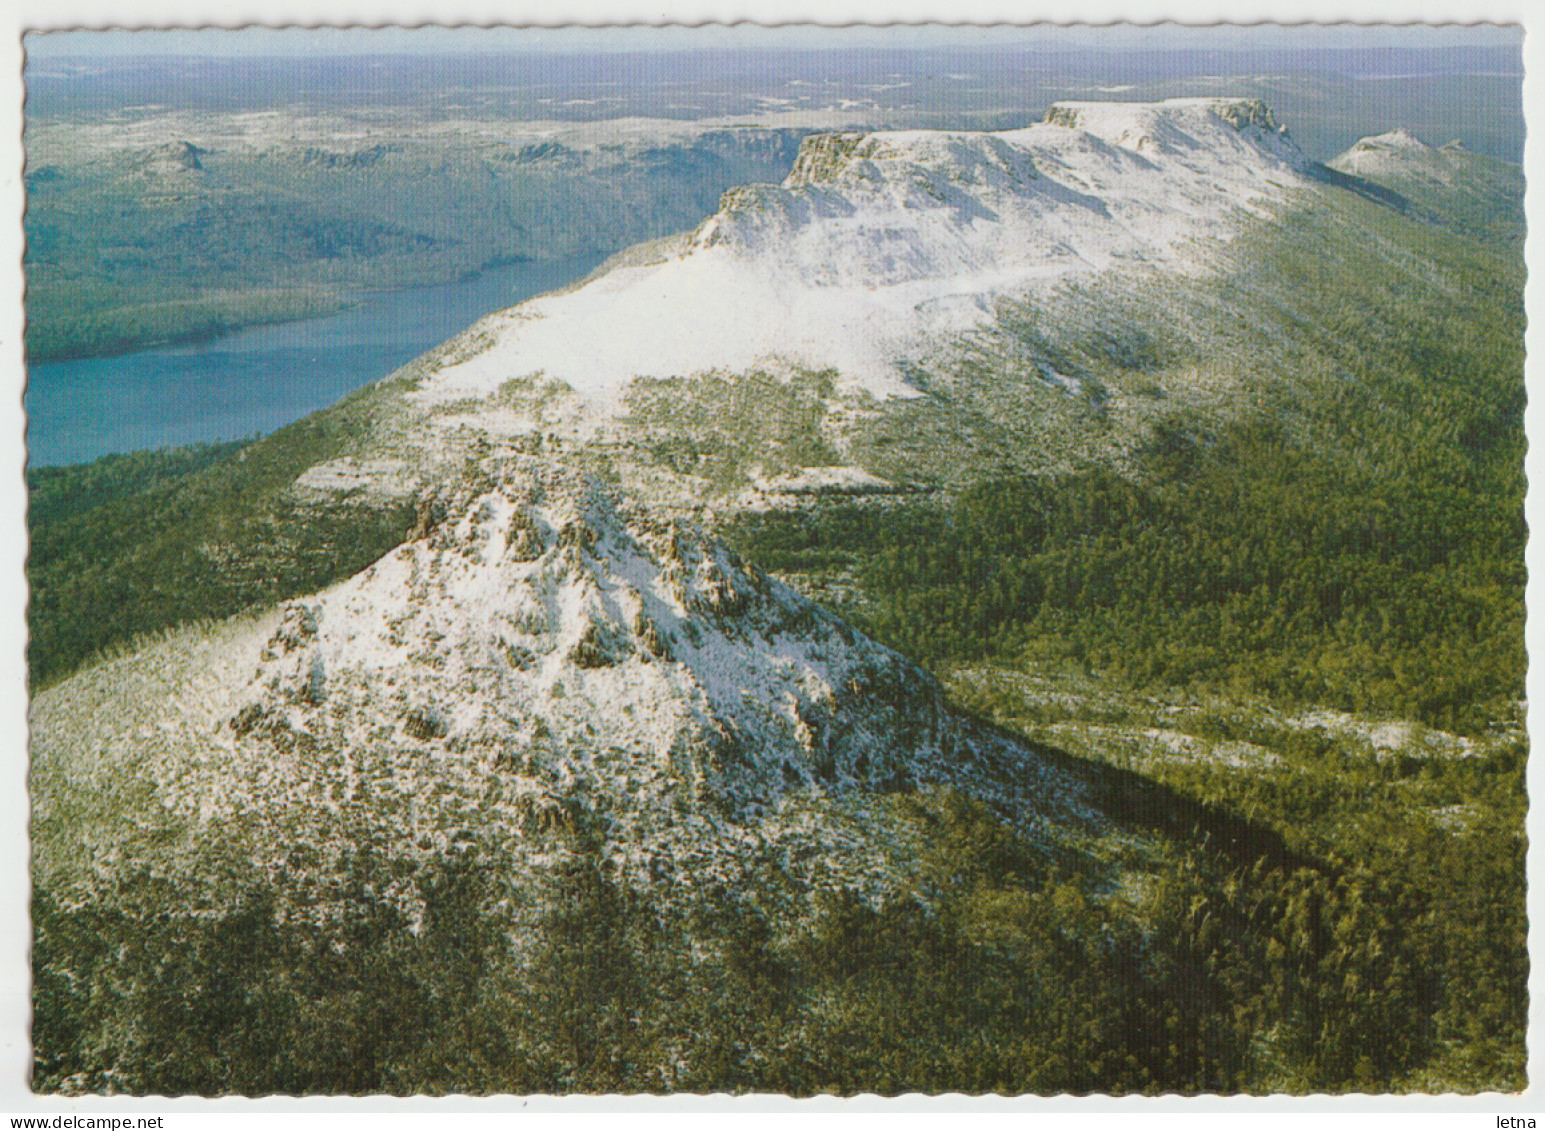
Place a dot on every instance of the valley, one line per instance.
(184, 227)
(1035, 609)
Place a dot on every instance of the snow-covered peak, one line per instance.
(1400, 139)
(535, 650)
(1400, 154)
(883, 248)
(545, 609)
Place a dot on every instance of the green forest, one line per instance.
(1359, 544)
(84, 321)
(1263, 572)
(129, 545)
(1399, 969)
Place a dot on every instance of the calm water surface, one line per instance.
(260, 379)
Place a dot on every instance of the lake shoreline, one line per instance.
(256, 379)
(343, 303)
(191, 338)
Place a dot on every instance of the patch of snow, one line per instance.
(1398, 139)
(1455, 818)
(1385, 737)
(1071, 385)
(369, 478)
(824, 480)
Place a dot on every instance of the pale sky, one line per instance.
(395, 40)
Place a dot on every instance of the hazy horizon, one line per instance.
(1163, 36)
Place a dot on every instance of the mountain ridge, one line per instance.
(876, 243)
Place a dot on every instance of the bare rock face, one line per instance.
(821, 156)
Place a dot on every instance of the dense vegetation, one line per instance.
(1282, 582)
(1358, 545)
(128, 545)
(68, 322)
(55, 494)
(1446, 830)
(1215, 973)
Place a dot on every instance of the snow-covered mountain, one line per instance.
(1447, 184)
(915, 306)
(535, 650)
(1399, 154)
(878, 246)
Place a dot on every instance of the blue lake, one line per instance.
(259, 379)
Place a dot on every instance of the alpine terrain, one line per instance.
(668, 683)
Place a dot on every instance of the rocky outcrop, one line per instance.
(543, 648)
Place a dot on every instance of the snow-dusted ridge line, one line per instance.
(881, 247)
